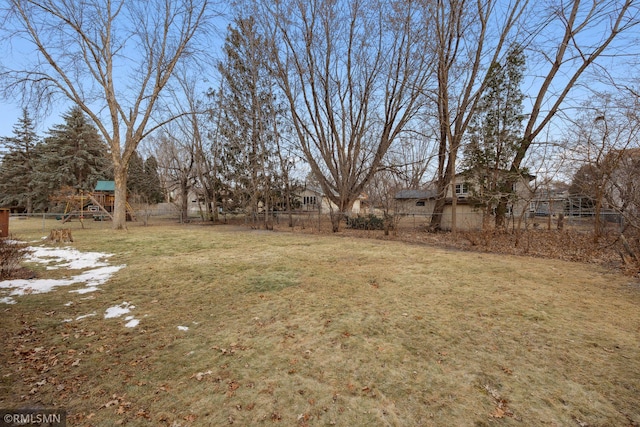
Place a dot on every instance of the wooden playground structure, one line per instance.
(97, 204)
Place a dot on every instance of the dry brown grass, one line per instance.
(292, 329)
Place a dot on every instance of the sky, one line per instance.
(9, 114)
(11, 111)
(17, 51)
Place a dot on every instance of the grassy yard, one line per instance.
(292, 329)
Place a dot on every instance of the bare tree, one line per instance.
(603, 143)
(113, 58)
(381, 190)
(468, 37)
(562, 41)
(587, 32)
(177, 162)
(195, 138)
(410, 158)
(353, 74)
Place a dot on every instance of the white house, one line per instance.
(313, 199)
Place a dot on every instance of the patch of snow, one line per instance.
(183, 328)
(84, 316)
(99, 271)
(118, 310)
(34, 286)
(96, 272)
(85, 290)
(66, 257)
(98, 276)
(132, 323)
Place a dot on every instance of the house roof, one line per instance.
(105, 186)
(416, 194)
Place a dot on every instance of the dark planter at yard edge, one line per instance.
(4, 222)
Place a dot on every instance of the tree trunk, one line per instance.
(501, 213)
(436, 215)
(184, 205)
(288, 204)
(214, 208)
(336, 217)
(120, 204)
(344, 206)
(29, 205)
(597, 220)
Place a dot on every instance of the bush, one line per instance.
(369, 222)
(12, 253)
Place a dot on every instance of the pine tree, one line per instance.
(152, 187)
(247, 118)
(73, 155)
(495, 134)
(135, 176)
(17, 170)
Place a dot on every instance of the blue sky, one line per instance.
(8, 117)
(16, 51)
(11, 111)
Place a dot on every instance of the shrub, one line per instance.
(369, 222)
(12, 253)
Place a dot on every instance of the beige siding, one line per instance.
(307, 196)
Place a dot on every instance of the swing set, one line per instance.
(97, 204)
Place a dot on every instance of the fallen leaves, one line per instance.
(115, 400)
(506, 370)
(502, 409)
(233, 348)
(200, 375)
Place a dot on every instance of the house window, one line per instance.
(420, 203)
(309, 200)
(462, 189)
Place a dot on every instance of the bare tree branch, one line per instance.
(111, 58)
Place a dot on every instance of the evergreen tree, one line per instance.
(247, 118)
(135, 176)
(143, 181)
(73, 156)
(495, 134)
(17, 171)
(152, 187)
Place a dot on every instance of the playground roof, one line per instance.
(105, 186)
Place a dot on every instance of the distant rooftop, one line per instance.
(416, 194)
(105, 186)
